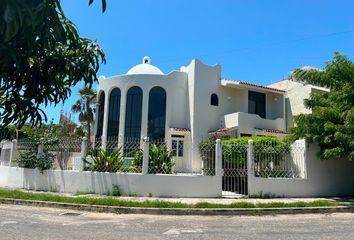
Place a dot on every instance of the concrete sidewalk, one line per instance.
(221, 200)
(228, 200)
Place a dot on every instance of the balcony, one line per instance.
(247, 123)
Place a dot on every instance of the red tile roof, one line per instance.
(223, 129)
(255, 85)
(271, 130)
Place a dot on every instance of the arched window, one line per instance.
(157, 113)
(114, 113)
(133, 113)
(214, 100)
(100, 114)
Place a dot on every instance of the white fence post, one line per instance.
(250, 164)
(103, 142)
(13, 151)
(2, 152)
(145, 155)
(83, 152)
(218, 158)
(40, 147)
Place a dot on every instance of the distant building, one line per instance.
(66, 123)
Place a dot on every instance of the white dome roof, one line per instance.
(145, 68)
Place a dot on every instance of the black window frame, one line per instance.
(133, 113)
(100, 114)
(259, 101)
(114, 113)
(214, 100)
(157, 113)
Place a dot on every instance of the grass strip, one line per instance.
(109, 201)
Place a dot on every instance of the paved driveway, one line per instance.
(20, 222)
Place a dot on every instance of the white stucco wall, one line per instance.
(100, 182)
(175, 85)
(203, 80)
(324, 178)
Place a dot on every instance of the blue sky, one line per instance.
(256, 41)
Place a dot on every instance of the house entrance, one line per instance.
(178, 149)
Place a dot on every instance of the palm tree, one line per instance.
(83, 107)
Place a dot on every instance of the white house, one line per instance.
(184, 107)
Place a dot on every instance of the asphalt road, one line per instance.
(22, 222)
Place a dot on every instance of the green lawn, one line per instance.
(109, 201)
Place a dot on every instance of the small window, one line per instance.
(177, 148)
(245, 135)
(214, 100)
(174, 148)
(177, 136)
(180, 148)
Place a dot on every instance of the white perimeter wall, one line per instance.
(324, 178)
(100, 182)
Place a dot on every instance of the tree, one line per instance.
(104, 4)
(83, 107)
(41, 57)
(331, 123)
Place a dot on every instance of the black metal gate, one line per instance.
(234, 164)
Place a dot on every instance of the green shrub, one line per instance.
(30, 159)
(266, 150)
(27, 159)
(107, 161)
(45, 161)
(137, 163)
(160, 159)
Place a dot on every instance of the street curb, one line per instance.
(181, 211)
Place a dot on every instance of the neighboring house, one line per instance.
(67, 125)
(185, 107)
(295, 93)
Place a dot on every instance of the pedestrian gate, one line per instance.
(234, 164)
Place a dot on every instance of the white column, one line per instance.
(13, 151)
(145, 155)
(123, 108)
(2, 153)
(144, 112)
(41, 147)
(250, 165)
(83, 154)
(97, 106)
(284, 114)
(105, 120)
(218, 158)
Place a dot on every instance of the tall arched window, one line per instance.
(133, 113)
(214, 100)
(157, 113)
(100, 114)
(114, 113)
